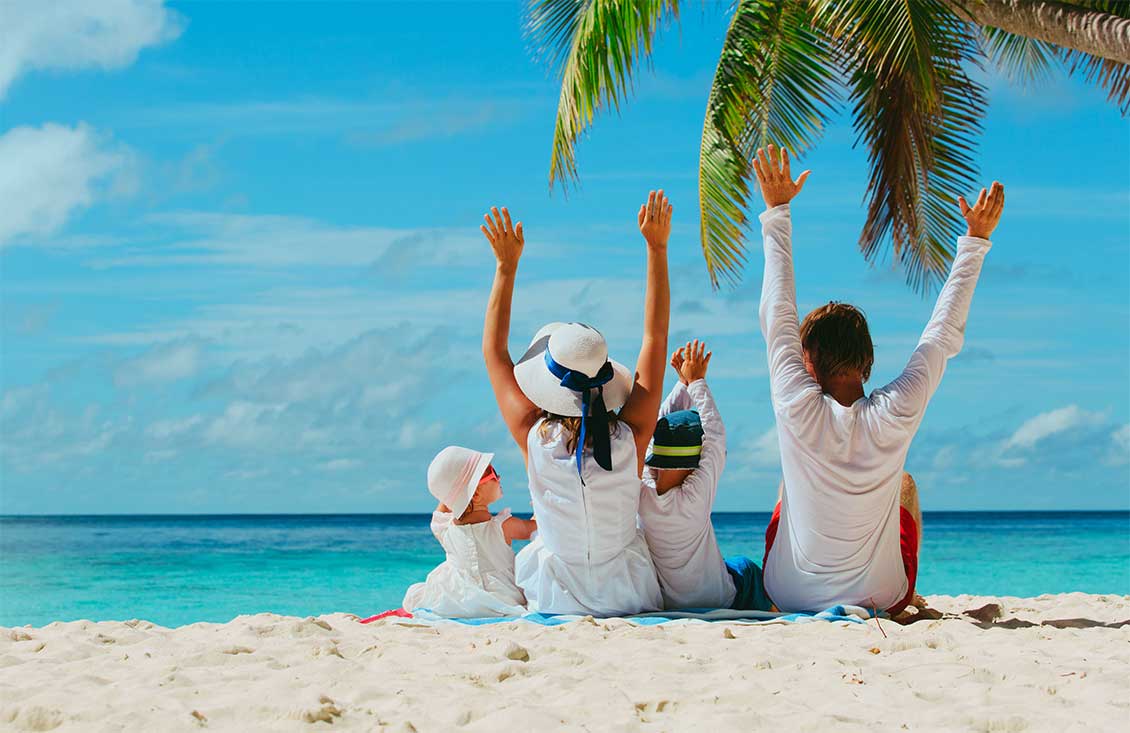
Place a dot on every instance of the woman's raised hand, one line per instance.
(506, 239)
(655, 219)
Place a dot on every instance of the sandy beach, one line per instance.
(1047, 663)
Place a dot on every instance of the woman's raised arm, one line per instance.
(642, 408)
(507, 241)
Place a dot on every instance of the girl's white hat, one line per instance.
(577, 348)
(454, 475)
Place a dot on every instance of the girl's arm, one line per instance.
(515, 528)
(642, 407)
(507, 241)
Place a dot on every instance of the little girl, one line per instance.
(477, 578)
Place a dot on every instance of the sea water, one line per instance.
(174, 570)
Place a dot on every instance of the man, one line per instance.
(847, 526)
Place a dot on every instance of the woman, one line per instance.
(584, 459)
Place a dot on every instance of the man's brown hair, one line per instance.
(837, 340)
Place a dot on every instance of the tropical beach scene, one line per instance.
(565, 365)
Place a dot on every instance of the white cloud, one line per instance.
(764, 450)
(1051, 423)
(244, 424)
(1121, 437)
(416, 435)
(47, 173)
(1120, 452)
(340, 464)
(165, 429)
(105, 34)
(162, 363)
(271, 241)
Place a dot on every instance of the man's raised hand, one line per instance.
(655, 219)
(775, 179)
(506, 239)
(984, 215)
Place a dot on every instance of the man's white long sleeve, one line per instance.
(793, 390)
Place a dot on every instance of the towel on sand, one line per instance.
(851, 614)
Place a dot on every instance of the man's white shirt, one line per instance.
(838, 540)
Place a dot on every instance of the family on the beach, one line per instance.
(622, 485)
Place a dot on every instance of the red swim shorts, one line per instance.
(908, 543)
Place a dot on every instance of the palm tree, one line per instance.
(787, 65)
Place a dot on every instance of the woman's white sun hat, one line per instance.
(454, 475)
(577, 348)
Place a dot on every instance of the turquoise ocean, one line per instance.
(174, 570)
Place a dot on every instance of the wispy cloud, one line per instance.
(395, 119)
(48, 173)
(1051, 423)
(107, 34)
(166, 362)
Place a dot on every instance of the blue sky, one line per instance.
(242, 270)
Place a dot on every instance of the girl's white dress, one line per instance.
(588, 556)
(477, 578)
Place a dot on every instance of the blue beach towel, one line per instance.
(850, 614)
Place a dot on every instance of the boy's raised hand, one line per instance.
(506, 239)
(984, 215)
(677, 363)
(696, 359)
(655, 219)
(775, 179)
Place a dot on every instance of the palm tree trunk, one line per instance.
(1069, 26)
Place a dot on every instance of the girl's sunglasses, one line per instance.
(490, 475)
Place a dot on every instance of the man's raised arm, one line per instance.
(779, 322)
(945, 333)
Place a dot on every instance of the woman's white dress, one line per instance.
(477, 578)
(588, 556)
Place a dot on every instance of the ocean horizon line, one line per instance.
(266, 515)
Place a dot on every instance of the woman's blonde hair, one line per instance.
(572, 428)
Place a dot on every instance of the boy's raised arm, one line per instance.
(507, 240)
(945, 333)
(642, 407)
(703, 481)
(678, 398)
(778, 312)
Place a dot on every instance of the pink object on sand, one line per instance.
(396, 612)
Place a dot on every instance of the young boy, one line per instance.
(680, 481)
(847, 526)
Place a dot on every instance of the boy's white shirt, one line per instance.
(680, 535)
(838, 540)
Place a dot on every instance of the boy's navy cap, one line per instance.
(677, 442)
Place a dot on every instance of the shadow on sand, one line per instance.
(989, 617)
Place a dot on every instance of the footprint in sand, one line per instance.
(324, 714)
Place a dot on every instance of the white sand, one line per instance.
(277, 673)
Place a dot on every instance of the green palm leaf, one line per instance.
(596, 45)
(918, 113)
(776, 82)
(1024, 60)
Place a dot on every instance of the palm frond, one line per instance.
(775, 82)
(1023, 60)
(919, 113)
(595, 46)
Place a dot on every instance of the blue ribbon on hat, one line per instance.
(592, 408)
